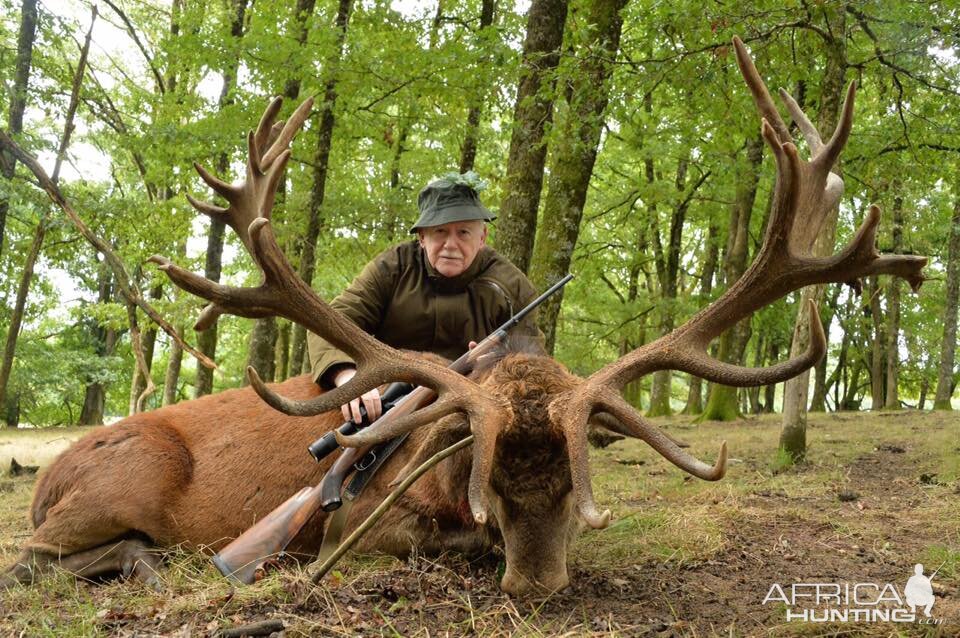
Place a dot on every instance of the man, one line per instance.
(437, 294)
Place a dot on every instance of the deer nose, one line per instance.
(517, 584)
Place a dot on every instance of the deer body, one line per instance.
(200, 472)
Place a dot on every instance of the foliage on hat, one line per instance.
(470, 178)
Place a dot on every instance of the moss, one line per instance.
(722, 405)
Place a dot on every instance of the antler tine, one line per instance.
(701, 364)
(228, 191)
(205, 207)
(807, 129)
(805, 192)
(833, 148)
(485, 430)
(310, 407)
(274, 173)
(397, 427)
(265, 126)
(293, 124)
(633, 424)
(860, 258)
(243, 302)
(575, 431)
(786, 192)
(208, 317)
(254, 164)
(758, 89)
(640, 428)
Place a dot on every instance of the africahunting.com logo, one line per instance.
(859, 602)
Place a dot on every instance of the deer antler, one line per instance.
(805, 192)
(283, 293)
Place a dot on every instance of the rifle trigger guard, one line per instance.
(369, 459)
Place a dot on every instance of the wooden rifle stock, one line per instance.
(244, 557)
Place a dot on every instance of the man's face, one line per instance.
(451, 248)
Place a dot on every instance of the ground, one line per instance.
(880, 493)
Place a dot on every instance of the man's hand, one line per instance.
(371, 399)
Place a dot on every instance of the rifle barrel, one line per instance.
(517, 318)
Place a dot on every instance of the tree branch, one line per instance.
(128, 289)
(136, 39)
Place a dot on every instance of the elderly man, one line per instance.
(437, 293)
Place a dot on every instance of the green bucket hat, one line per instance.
(451, 199)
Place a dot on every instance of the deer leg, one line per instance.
(20, 573)
(130, 558)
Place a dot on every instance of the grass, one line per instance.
(36, 446)
(681, 557)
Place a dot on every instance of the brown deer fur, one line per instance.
(199, 473)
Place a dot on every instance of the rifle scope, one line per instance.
(327, 443)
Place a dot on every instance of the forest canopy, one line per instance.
(617, 137)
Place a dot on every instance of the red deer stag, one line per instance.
(203, 471)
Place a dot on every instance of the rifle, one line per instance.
(243, 558)
(327, 443)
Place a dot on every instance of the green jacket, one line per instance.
(401, 300)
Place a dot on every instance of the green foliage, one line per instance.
(404, 86)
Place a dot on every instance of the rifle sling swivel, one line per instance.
(366, 467)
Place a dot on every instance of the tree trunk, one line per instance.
(301, 31)
(722, 400)
(694, 404)
(260, 350)
(18, 99)
(574, 155)
(298, 359)
(533, 110)
(668, 273)
(793, 432)
(834, 379)
(892, 399)
(818, 402)
(207, 340)
(948, 345)
(282, 351)
(267, 326)
(633, 391)
(924, 389)
(395, 211)
(148, 344)
(876, 350)
(172, 377)
(849, 401)
(468, 153)
(770, 391)
(16, 319)
(105, 343)
(138, 383)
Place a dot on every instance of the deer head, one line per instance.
(529, 415)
